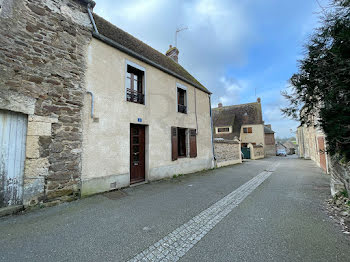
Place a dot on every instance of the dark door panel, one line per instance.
(137, 153)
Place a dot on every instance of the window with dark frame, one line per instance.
(223, 129)
(181, 101)
(135, 85)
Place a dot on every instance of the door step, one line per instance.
(139, 183)
(10, 210)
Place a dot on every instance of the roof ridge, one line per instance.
(223, 107)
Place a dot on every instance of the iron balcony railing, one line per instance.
(134, 96)
(182, 109)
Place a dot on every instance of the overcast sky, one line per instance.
(235, 48)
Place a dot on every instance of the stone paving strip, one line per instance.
(175, 245)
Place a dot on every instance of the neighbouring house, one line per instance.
(312, 142)
(87, 109)
(270, 143)
(242, 121)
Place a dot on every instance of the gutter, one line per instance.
(114, 44)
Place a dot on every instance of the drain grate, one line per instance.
(115, 195)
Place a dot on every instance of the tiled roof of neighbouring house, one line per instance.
(129, 42)
(236, 116)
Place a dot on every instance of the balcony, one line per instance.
(134, 96)
(182, 109)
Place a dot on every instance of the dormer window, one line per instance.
(134, 84)
(224, 130)
(181, 99)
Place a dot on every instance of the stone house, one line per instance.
(86, 109)
(312, 145)
(270, 143)
(242, 121)
(311, 141)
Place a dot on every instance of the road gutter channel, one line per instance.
(176, 244)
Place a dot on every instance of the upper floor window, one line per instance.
(247, 130)
(181, 99)
(135, 90)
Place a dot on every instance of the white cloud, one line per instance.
(219, 32)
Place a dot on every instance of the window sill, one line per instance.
(134, 103)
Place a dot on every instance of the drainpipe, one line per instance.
(195, 110)
(92, 103)
(211, 128)
(92, 18)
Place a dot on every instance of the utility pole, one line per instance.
(178, 30)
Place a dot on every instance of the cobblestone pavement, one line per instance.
(177, 243)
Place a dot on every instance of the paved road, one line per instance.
(265, 210)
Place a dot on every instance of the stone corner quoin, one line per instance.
(42, 64)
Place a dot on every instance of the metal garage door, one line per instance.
(13, 130)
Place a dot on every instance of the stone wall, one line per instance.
(256, 151)
(42, 63)
(227, 152)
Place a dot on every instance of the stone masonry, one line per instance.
(227, 152)
(42, 63)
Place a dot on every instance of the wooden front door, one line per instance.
(13, 131)
(322, 153)
(137, 153)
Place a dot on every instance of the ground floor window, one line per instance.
(183, 142)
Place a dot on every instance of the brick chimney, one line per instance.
(173, 53)
(220, 105)
(259, 100)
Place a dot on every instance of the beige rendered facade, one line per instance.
(257, 135)
(106, 133)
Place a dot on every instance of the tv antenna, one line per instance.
(178, 30)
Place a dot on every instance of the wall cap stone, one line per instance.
(226, 142)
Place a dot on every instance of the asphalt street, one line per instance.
(246, 212)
